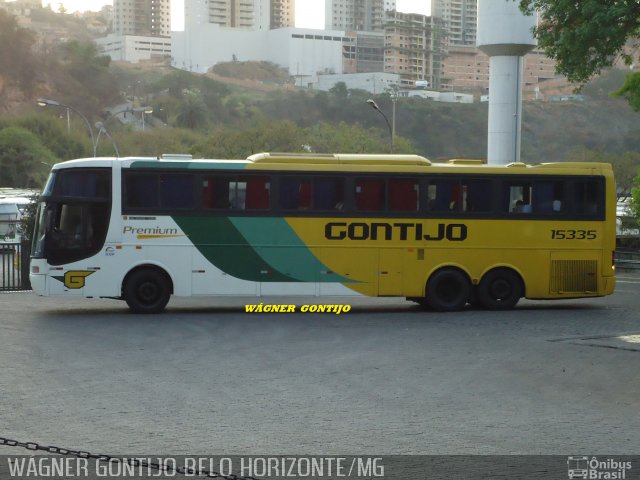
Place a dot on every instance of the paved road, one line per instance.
(386, 378)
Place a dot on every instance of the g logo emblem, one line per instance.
(75, 279)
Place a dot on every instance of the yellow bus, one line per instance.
(442, 234)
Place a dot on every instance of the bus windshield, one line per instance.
(73, 215)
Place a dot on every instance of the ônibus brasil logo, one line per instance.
(597, 468)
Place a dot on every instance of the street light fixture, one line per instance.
(142, 111)
(45, 102)
(374, 105)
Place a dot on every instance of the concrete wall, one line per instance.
(305, 52)
(133, 49)
(374, 83)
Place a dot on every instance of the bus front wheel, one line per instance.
(448, 290)
(500, 289)
(147, 291)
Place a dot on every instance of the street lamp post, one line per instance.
(44, 102)
(394, 98)
(101, 129)
(374, 105)
(142, 111)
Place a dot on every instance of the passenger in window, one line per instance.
(521, 207)
(557, 205)
(517, 207)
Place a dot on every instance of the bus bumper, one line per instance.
(38, 283)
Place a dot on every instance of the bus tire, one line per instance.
(147, 291)
(500, 289)
(448, 290)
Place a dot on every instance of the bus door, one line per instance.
(390, 266)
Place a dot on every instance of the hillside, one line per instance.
(242, 94)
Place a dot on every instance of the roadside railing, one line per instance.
(14, 267)
(627, 258)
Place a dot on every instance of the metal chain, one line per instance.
(136, 462)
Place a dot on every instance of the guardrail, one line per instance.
(627, 258)
(14, 267)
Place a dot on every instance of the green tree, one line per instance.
(587, 36)
(18, 63)
(176, 82)
(584, 36)
(235, 142)
(156, 141)
(192, 112)
(52, 133)
(345, 138)
(87, 83)
(24, 161)
(339, 90)
(631, 90)
(635, 200)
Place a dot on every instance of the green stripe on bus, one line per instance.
(279, 245)
(224, 246)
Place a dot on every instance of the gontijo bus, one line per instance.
(440, 234)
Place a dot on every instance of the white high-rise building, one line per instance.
(460, 19)
(356, 15)
(247, 14)
(151, 18)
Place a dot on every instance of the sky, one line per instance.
(309, 13)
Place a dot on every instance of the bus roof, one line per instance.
(338, 162)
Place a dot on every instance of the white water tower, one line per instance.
(505, 34)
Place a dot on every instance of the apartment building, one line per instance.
(467, 68)
(150, 18)
(245, 14)
(460, 19)
(413, 48)
(356, 15)
(363, 52)
(282, 13)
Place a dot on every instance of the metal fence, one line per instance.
(628, 258)
(14, 267)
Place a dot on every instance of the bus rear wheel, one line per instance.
(500, 289)
(448, 290)
(147, 291)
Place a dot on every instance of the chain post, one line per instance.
(136, 462)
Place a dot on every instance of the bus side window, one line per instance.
(370, 194)
(176, 191)
(587, 197)
(477, 196)
(141, 191)
(328, 194)
(444, 195)
(403, 195)
(258, 191)
(295, 193)
(548, 197)
(215, 191)
(516, 197)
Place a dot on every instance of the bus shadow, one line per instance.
(408, 309)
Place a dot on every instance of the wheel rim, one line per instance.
(148, 292)
(448, 290)
(501, 289)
